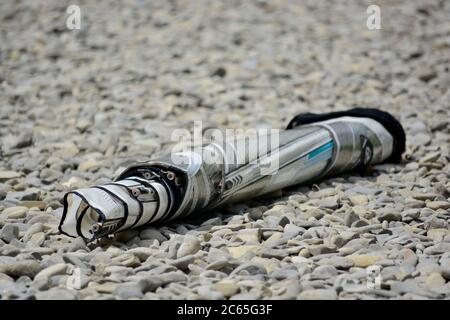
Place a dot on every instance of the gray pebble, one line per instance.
(151, 233)
(439, 248)
(318, 294)
(128, 290)
(389, 216)
(340, 263)
(189, 246)
(19, 268)
(281, 274)
(183, 262)
(324, 271)
(56, 294)
(9, 232)
(49, 175)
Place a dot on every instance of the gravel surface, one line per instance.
(76, 106)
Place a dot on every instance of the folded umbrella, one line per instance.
(181, 183)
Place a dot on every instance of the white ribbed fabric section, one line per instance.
(117, 206)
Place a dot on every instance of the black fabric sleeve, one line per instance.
(392, 125)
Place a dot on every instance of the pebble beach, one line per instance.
(79, 106)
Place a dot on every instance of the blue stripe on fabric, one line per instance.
(321, 149)
(322, 157)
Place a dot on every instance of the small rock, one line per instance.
(36, 239)
(409, 257)
(281, 274)
(35, 228)
(350, 217)
(217, 255)
(273, 253)
(56, 269)
(226, 287)
(15, 212)
(23, 140)
(189, 246)
(423, 196)
(406, 286)
(364, 260)
(410, 214)
(437, 234)
(291, 231)
(426, 213)
(41, 205)
(152, 233)
(237, 252)
(419, 139)
(360, 223)
(9, 232)
(49, 175)
(21, 268)
(55, 294)
(321, 249)
(318, 294)
(324, 272)
(322, 193)
(435, 280)
(252, 295)
(107, 287)
(83, 124)
(364, 190)
(219, 72)
(66, 150)
(205, 292)
(249, 236)
(445, 269)
(284, 221)
(427, 267)
(5, 279)
(73, 260)
(359, 200)
(74, 183)
(31, 194)
(255, 214)
(8, 175)
(426, 74)
(183, 262)
(435, 205)
(89, 164)
(128, 290)
(329, 202)
(390, 216)
(439, 248)
(127, 260)
(77, 244)
(435, 223)
(341, 263)
(274, 238)
(315, 213)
